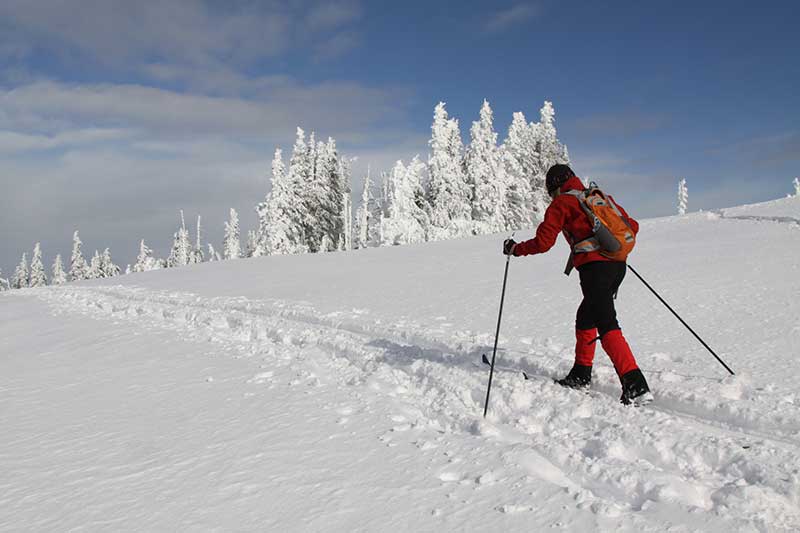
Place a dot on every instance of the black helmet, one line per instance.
(557, 176)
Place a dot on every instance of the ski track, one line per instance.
(732, 455)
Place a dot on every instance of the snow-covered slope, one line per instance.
(345, 392)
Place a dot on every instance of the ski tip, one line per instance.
(525, 375)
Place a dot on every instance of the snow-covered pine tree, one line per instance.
(59, 277)
(4, 283)
(231, 246)
(252, 243)
(548, 147)
(486, 175)
(683, 197)
(286, 206)
(21, 277)
(181, 247)
(145, 261)
(38, 278)
(262, 233)
(365, 217)
(95, 267)
(521, 144)
(196, 255)
(213, 255)
(518, 209)
(320, 201)
(408, 220)
(549, 151)
(449, 194)
(78, 268)
(345, 242)
(107, 267)
(796, 184)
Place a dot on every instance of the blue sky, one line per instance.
(115, 114)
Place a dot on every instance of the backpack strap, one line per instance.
(590, 244)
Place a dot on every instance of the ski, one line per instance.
(486, 361)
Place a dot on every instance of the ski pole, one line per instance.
(682, 321)
(496, 336)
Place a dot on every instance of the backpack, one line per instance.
(612, 234)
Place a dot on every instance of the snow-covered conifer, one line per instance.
(796, 184)
(486, 175)
(346, 204)
(107, 267)
(78, 268)
(518, 209)
(285, 205)
(145, 260)
(522, 144)
(408, 218)
(262, 233)
(38, 278)
(252, 244)
(213, 255)
(59, 276)
(95, 266)
(21, 277)
(448, 191)
(683, 197)
(367, 217)
(181, 247)
(231, 246)
(4, 283)
(196, 255)
(549, 148)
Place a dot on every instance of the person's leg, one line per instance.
(585, 336)
(599, 282)
(634, 385)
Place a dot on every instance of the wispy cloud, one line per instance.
(506, 18)
(50, 107)
(332, 15)
(12, 142)
(337, 46)
(184, 34)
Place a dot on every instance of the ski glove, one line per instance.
(508, 246)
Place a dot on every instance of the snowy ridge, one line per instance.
(727, 453)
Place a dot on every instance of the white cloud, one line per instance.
(331, 15)
(338, 45)
(184, 31)
(506, 18)
(13, 142)
(340, 108)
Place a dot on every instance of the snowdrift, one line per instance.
(344, 391)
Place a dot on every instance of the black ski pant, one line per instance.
(600, 281)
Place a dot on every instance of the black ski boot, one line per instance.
(580, 377)
(634, 389)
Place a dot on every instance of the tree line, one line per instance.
(483, 187)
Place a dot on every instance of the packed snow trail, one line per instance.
(623, 459)
(389, 341)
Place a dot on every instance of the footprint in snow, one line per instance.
(261, 378)
(450, 477)
(511, 508)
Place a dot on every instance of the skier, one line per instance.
(600, 278)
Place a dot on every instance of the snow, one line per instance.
(344, 392)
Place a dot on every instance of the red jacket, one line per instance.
(565, 214)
